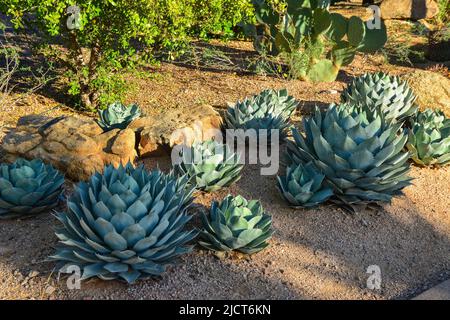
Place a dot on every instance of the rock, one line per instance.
(409, 9)
(75, 146)
(432, 90)
(174, 127)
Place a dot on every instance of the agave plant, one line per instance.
(429, 138)
(125, 224)
(269, 110)
(303, 186)
(358, 151)
(210, 165)
(236, 224)
(118, 116)
(28, 187)
(390, 94)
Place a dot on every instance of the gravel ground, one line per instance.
(315, 254)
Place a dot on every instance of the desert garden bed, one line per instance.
(323, 252)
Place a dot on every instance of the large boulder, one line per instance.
(432, 89)
(409, 9)
(75, 146)
(175, 126)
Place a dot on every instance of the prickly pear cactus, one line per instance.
(306, 23)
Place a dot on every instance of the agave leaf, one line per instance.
(361, 160)
(144, 244)
(124, 254)
(121, 221)
(116, 267)
(30, 199)
(252, 250)
(85, 257)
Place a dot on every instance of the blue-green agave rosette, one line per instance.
(209, 165)
(269, 110)
(429, 139)
(389, 94)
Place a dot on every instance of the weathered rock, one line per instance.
(409, 9)
(159, 133)
(432, 90)
(75, 146)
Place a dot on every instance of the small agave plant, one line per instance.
(303, 186)
(390, 94)
(210, 165)
(28, 187)
(118, 116)
(236, 224)
(269, 110)
(358, 151)
(429, 139)
(125, 224)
